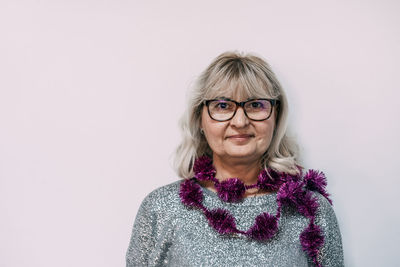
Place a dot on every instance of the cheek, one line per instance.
(213, 131)
(266, 135)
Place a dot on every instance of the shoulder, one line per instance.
(326, 217)
(154, 224)
(164, 193)
(331, 253)
(163, 198)
(325, 210)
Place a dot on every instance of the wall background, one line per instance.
(80, 136)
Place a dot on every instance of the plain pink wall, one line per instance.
(91, 93)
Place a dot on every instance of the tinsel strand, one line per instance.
(292, 190)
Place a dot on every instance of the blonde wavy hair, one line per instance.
(249, 76)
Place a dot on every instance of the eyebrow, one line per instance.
(224, 98)
(228, 99)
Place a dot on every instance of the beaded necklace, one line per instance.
(292, 190)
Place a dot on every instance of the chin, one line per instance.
(241, 150)
(242, 154)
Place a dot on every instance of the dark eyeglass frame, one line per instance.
(274, 102)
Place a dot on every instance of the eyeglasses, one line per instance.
(224, 109)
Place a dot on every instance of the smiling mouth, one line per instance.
(240, 136)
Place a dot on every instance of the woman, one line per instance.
(244, 199)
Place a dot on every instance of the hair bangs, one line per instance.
(239, 83)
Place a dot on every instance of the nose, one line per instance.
(240, 119)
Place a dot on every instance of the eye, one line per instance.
(257, 104)
(222, 105)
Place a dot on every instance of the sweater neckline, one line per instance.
(246, 201)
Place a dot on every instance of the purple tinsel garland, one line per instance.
(293, 190)
(233, 189)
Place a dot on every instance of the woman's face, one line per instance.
(239, 138)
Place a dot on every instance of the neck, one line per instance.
(247, 172)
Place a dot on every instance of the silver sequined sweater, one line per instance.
(167, 233)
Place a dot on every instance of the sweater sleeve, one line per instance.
(153, 229)
(142, 239)
(331, 253)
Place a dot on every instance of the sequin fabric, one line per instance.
(167, 233)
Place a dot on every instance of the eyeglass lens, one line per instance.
(257, 109)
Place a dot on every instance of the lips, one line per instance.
(239, 136)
